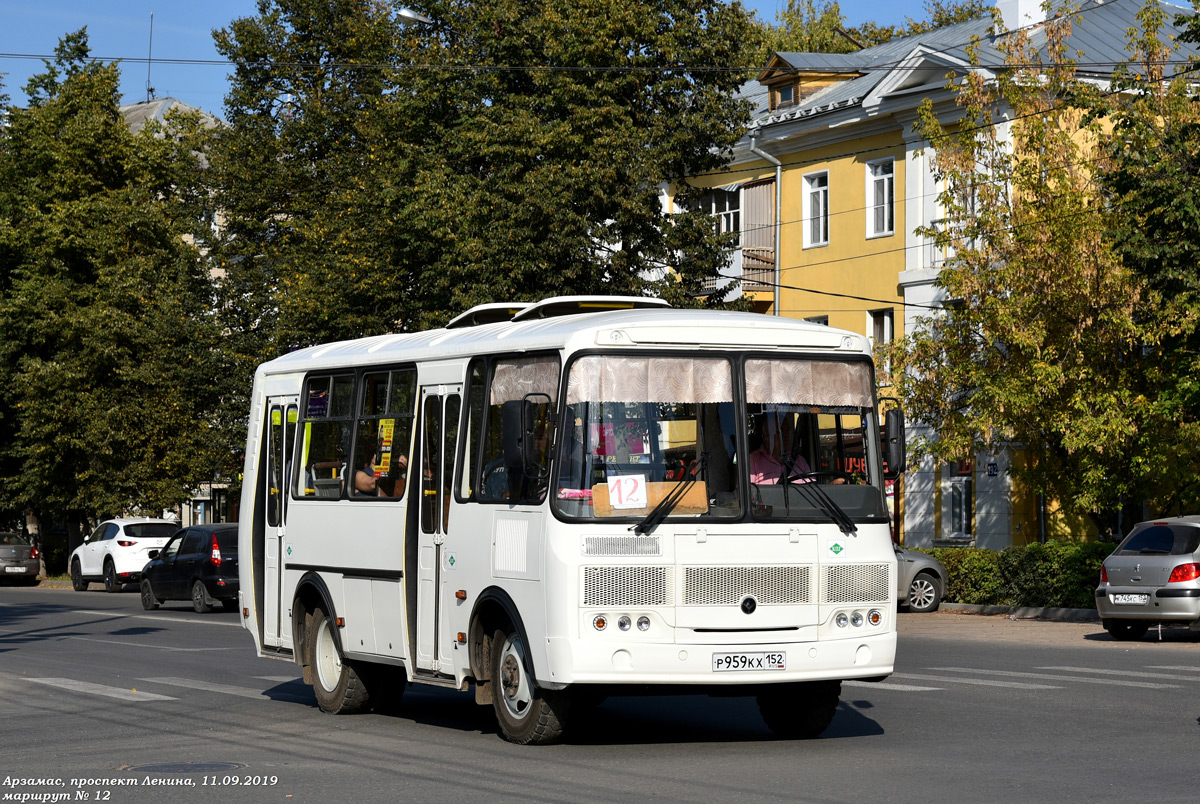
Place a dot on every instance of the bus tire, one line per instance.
(526, 714)
(800, 711)
(338, 687)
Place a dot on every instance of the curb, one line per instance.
(1026, 612)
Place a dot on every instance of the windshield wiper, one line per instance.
(667, 504)
(817, 497)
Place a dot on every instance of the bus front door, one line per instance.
(281, 429)
(440, 408)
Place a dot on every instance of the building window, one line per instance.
(816, 210)
(725, 207)
(882, 326)
(881, 198)
(785, 95)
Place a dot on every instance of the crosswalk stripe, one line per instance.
(980, 682)
(885, 685)
(1048, 676)
(1131, 673)
(99, 689)
(226, 689)
(1188, 668)
(279, 679)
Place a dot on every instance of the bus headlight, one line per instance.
(643, 623)
(842, 620)
(856, 619)
(623, 622)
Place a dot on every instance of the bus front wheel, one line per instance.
(526, 715)
(338, 687)
(800, 711)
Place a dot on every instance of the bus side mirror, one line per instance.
(894, 453)
(535, 446)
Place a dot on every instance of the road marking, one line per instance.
(160, 618)
(226, 689)
(144, 645)
(980, 682)
(279, 679)
(99, 689)
(1048, 676)
(1188, 668)
(884, 685)
(1133, 673)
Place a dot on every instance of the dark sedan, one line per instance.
(197, 564)
(19, 559)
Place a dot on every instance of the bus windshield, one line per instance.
(636, 429)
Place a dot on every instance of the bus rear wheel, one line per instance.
(526, 715)
(800, 711)
(338, 687)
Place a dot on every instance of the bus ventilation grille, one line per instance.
(627, 586)
(729, 586)
(856, 583)
(621, 546)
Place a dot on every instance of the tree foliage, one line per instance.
(379, 174)
(108, 339)
(1044, 341)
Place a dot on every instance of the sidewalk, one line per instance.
(1026, 612)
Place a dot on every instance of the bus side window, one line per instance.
(325, 437)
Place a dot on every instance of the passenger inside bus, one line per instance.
(777, 448)
(364, 479)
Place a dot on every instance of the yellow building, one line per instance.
(828, 189)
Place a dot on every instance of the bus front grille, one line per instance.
(627, 586)
(729, 586)
(856, 583)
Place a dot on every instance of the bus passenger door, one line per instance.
(281, 429)
(440, 408)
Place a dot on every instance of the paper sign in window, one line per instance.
(627, 491)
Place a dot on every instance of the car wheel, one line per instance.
(1126, 630)
(149, 601)
(800, 711)
(336, 683)
(924, 594)
(527, 715)
(111, 582)
(201, 602)
(77, 581)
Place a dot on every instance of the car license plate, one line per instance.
(749, 661)
(14, 569)
(1130, 600)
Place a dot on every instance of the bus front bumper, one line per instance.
(581, 662)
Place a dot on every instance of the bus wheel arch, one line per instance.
(311, 594)
(494, 610)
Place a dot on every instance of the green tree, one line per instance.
(379, 174)
(1044, 343)
(108, 347)
(1151, 174)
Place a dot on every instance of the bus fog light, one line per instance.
(856, 619)
(842, 620)
(874, 616)
(600, 622)
(643, 623)
(624, 622)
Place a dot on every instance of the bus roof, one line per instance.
(619, 329)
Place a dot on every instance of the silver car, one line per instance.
(922, 580)
(19, 559)
(1152, 577)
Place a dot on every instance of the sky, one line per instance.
(121, 29)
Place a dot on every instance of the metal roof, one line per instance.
(1098, 42)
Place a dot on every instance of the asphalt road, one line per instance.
(96, 693)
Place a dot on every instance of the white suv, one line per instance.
(117, 550)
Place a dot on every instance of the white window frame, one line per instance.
(811, 189)
(888, 205)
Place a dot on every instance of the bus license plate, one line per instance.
(749, 661)
(1130, 600)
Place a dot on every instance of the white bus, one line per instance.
(551, 503)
